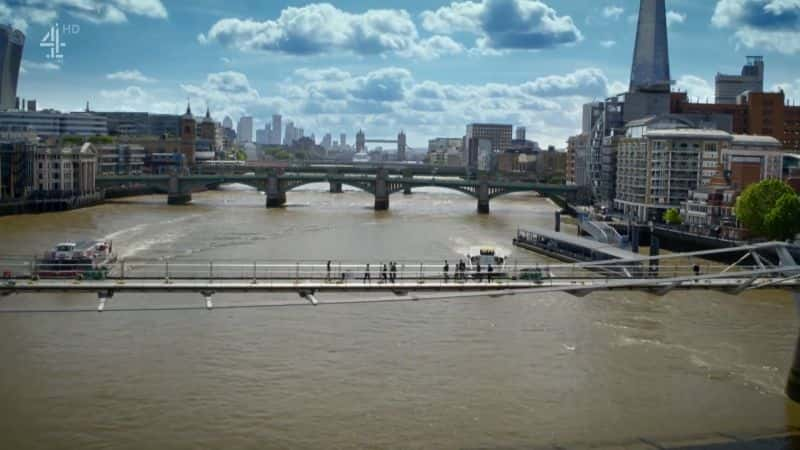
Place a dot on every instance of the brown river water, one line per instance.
(533, 371)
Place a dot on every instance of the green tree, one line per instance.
(757, 202)
(673, 217)
(783, 221)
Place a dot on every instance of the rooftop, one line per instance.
(689, 133)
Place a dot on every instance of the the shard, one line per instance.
(650, 70)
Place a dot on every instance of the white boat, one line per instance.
(484, 257)
(70, 259)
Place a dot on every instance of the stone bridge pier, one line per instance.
(483, 194)
(381, 191)
(276, 192)
(178, 193)
(336, 187)
(407, 176)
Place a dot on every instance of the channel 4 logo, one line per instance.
(54, 42)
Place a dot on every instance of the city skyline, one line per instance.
(430, 70)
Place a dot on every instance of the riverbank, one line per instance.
(36, 206)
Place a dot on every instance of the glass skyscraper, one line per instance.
(11, 44)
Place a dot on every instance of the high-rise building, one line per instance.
(245, 129)
(650, 74)
(290, 135)
(650, 68)
(500, 135)
(327, 141)
(227, 123)
(592, 113)
(11, 44)
(262, 136)
(520, 134)
(277, 127)
(343, 140)
(729, 87)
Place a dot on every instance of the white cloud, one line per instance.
(616, 88)
(46, 66)
(675, 17)
(319, 28)
(696, 88)
(504, 24)
(608, 44)
(764, 24)
(96, 11)
(613, 12)
(130, 75)
(790, 89)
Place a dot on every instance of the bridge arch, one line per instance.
(362, 186)
(400, 187)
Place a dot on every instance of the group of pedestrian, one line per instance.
(388, 273)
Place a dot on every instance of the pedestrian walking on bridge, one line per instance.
(367, 275)
(446, 270)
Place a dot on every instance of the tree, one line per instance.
(673, 217)
(783, 221)
(757, 202)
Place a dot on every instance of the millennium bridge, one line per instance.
(756, 267)
(379, 181)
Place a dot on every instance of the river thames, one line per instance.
(521, 372)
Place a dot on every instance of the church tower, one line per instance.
(188, 135)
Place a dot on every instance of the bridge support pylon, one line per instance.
(407, 176)
(483, 195)
(177, 194)
(336, 187)
(276, 195)
(381, 191)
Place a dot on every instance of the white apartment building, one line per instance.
(67, 169)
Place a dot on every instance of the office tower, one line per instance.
(11, 44)
(729, 87)
(277, 127)
(520, 134)
(651, 56)
(500, 135)
(327, 142)
(290, 135)
(245, 129)
(227, 123)
(343, 140)
(649, 92)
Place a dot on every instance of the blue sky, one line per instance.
(426, 67)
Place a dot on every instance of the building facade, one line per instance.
(755, 113)
(660, 161)
(68, 170)
(499, 135)
(446, 152)
(49, 123)
(120, 159)
(577, 163)
(729, 87)
(244, 131)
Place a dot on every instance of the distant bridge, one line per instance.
(379, 182)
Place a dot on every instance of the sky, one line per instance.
(425, 67)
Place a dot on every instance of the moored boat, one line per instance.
(77, 260)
